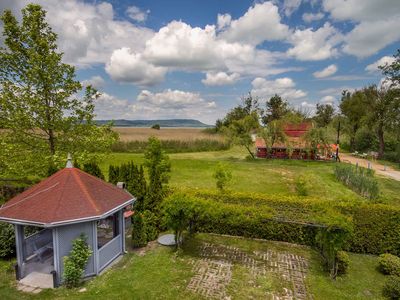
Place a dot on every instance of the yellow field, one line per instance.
(185, 134)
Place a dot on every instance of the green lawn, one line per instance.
(164, 274)
(195, 170)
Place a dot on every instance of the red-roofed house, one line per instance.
(294, 135)
(64, 206)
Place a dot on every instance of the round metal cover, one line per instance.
(167, 240)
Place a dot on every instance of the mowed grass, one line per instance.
(195, 171)
(164, 274)
(184, 134)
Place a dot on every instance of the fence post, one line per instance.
(55, 283)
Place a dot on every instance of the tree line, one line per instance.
(369, 118)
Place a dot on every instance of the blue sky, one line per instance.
(196, 59)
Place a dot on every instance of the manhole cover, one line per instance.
(167, 240)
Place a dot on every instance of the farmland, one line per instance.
(183, 134)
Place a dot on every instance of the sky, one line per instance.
(158, 59)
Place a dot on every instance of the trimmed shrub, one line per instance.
(151, 222)
(389, 264)
(139, 238)
(342, 261)
(391, 289)
(7, 240)
(360, 180)
(376, 227)
(75, 263)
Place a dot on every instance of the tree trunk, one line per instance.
(51, 142)
(381, 141)
(251, 153)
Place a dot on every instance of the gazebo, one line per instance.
(50, 215)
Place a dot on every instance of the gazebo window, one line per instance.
(107, 229)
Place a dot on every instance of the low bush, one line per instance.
(301, 185)
(222, 176)
(360, 180)
(389, 264)
(75, 263)
(342, 261)
(7, 240)
(173, 146)
(391, 289)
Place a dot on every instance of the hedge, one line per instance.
(375, 227)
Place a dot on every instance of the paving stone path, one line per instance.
(213, 271)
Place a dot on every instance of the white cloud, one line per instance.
(136, 14)
(289, 6)
(96, 81)
(328, 100)
(376, 24)
(310, 17)
(110, 107)
(180, 46)
(223, 21)
(285, 87)
(315, 45)
(172, 103)
(220, 78)
(261, 22)
(163, 105)
(368, 38)
(328, 71)
(361, 10)
(372, 68)
(88, 33)
(130, 67)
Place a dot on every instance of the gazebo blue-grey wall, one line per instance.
(64, 206)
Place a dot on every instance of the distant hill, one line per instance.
(149, 123)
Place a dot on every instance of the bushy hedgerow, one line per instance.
(389, 264)
(391, 289)
(375, 227)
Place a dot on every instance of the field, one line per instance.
(195, 170)
(242, 268)
(183, 134)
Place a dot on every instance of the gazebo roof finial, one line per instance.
(69, 161)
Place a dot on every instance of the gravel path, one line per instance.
(379, 168)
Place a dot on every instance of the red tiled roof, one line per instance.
(68, 195)
(297, 130)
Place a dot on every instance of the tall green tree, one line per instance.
(158, 169)
(392, 71)
(276, 108)
(324, 114)
(383, 111)
(273, 133)
(40, 102)
(248, 106)
(239, 131)
(354, 107)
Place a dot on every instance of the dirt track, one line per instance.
(379, 168)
